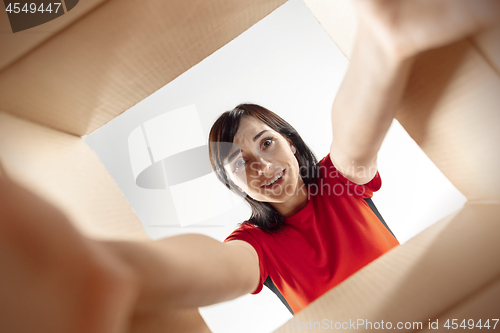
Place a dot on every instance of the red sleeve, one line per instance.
(332, 176)
(249, 233)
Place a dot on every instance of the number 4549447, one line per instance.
(32, 8)
(470, 324)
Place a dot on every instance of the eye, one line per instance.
(238, 165)
(267, 142)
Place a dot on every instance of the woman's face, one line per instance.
(261, 163)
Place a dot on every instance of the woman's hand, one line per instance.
(405, 28)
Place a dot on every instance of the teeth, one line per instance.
(278, 176)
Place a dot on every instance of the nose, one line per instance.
(264, 166)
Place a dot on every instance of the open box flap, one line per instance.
(65, 171)
(116, 56)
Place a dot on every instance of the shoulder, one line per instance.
(249, 227)
(326, 169)
(244, 231)
(325, 160)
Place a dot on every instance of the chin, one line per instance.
(286, 193)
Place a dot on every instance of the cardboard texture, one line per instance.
(66, 172)
(489, 47)
(119, 52)
(481, 305)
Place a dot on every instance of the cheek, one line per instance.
(233, 178)
(240, 180)
(249, 184)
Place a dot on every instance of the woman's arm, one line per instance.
(65, 282)
(364, 107)
(189, 270)
(390, 34)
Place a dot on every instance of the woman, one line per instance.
(310, 227)
(68, 283)
(326, 239)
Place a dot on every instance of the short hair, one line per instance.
(224, 129)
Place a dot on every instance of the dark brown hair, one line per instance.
(223, 131)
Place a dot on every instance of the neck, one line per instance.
(295, 203)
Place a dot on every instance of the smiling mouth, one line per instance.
(277, 179)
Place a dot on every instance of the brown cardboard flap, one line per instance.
(63, 170)
(488, 44)
(21, 43)
(478, 308)
(118, 55)
(2, 170)
(451, 109)
(440, 267)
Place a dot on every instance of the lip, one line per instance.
(272, 177)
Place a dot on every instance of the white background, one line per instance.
(287, 63)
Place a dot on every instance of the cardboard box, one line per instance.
(110, 55)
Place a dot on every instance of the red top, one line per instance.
(327, 241)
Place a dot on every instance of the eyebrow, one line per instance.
(259, 135)
(236, 152)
